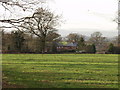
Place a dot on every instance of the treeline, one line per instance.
(20, 42)
(96, 43)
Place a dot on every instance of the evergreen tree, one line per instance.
(93, 48)
(18, 40)
(111, 48)
(81, 43)
(54, 47)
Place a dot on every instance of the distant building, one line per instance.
(68, 47)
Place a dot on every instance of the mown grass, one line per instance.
(61, 70)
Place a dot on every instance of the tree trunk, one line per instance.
(43, 44)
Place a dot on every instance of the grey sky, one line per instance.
(81, 16)
(87, 16)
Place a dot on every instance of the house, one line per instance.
(66, 48)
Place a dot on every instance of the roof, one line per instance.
(69, 44)
(59, 44)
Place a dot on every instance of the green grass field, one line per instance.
(61, 70)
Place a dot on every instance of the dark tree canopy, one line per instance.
(111, 48)
(18, 40)
(93, 48)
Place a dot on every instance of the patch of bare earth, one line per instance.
(5, 84)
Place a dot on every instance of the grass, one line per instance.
(61, 70)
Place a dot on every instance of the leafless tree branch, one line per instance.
(20, 3)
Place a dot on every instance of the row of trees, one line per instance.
(96, 42)
(18, 41)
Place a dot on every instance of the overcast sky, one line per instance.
(81, 16)
(87, 16)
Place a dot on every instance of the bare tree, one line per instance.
(97, 39)
(53, 36)
(12, 7)
(40, 24)
(74, 37)
(23, 4)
